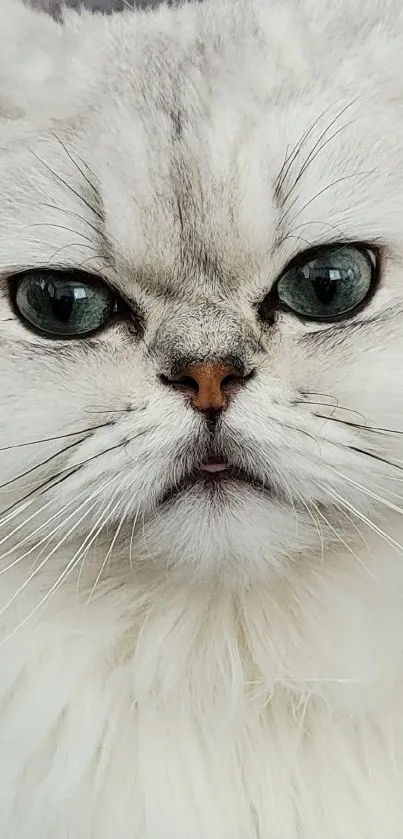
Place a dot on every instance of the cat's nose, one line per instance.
(209, 385)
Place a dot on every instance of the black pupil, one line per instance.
(325, 288)
(62, 307)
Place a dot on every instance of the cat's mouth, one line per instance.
(215, 475)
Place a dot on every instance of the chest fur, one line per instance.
(87, 752)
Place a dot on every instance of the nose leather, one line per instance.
(209, 385)
(211, 394)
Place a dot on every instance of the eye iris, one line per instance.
(332, 284)
(63, 305)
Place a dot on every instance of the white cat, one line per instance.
(201, 419)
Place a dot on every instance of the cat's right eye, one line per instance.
(63, 304)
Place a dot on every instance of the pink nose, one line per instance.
(209, 385)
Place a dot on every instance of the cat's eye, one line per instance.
(330, 284)
(63, 304)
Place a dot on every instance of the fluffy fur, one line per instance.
(227, 670)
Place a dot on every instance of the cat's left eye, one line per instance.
(330, 284)
(63, 304)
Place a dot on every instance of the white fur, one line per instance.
(201, 671)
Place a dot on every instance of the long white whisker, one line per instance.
(344, 543)
(69, 568)
(367, 521)
(35, 572)
(42, 526)
(317, 525)
(352, 524)
(20, 509)
(369, 493)
(135, 520)
(48, 535)
(93, 535)
(118, 529)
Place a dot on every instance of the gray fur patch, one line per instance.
(55, 7)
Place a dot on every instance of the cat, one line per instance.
(201, 421)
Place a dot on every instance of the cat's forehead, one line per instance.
(213, 144)
(241, 192)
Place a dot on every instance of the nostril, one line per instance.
(236, 379)
(231, 380)
(184, 383)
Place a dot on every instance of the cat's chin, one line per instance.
(227, 528)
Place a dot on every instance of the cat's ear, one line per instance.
(29, 42)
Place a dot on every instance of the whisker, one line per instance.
(42, 463)
(13, 515)
(302, 431)
(317, 525)
(73, 160)
(91, 537)
(71, 470)
(24, 523)
(69, 568)
(289, 236)
(362, 517)
(66, 229)
(109, 411)
(351, 523)
(48, 536)
(340, 234)
(98, 257)
(368, 492)
(135, 519)
(70, 246)
(360, 426)
(68, 186)
(46, 485)
(294, 153)
(327, 187)
(315, 151)
(73, 214)
(344, 543)
(36, 571)
(57, 437)
(318, 393)
(366, 453)
(143, 532)
(334, 408)
(112, 545)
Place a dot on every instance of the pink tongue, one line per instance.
(214, 467)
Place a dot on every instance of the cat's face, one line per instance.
(201, 267)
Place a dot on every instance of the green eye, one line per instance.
(330, 285)
(63, 304)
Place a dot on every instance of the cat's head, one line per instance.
(201, 263)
